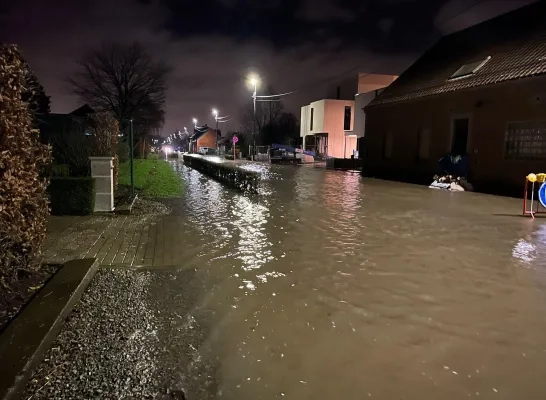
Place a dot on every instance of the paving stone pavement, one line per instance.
(117, 240)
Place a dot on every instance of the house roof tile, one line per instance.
(516, 42)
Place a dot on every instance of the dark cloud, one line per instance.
(285, 23)
(455, 15)
(385, 24)
(326, 11)
(213, 44)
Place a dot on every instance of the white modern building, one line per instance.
(332, 127)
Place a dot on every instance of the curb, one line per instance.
(26, 339)
(125, 209)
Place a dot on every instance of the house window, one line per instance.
(423, 141)
(469, 69)
(347, 119)
(311, 122)
(387, 145)
(525, 141)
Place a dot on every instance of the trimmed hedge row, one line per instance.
(229, 173)
(72, 195)
(23, 200)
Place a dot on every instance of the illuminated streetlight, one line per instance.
(254, 80)
(195, 122)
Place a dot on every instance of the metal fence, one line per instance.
(262, 153)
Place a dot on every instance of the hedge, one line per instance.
(229, 173)
(23, 199)
(72, 195)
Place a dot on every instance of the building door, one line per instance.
(460, 136)
(323, 144)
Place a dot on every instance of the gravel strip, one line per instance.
(149, 207)
(135, 334)
(105, 349)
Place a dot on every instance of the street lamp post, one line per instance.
(194, 120)
(215, 113)
(254, 82)
(132, 158)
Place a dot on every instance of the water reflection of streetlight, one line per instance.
(253, 247)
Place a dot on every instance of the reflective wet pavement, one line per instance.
(323, 286)
(330, 286)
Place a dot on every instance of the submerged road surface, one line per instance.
(324, 286)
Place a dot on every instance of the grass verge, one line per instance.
(153, 178)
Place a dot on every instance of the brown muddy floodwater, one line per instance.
(331, 286)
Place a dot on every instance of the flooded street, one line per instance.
(331, 286)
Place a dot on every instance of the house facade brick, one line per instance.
(405, 140)
(203, 138)
(207, 140)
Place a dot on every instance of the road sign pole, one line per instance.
(132, 159)
(234, 140)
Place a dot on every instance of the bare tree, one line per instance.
(38, 102)
(105, 131)
(267, 113)
(150, 119)
(126, 81)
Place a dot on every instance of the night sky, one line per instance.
(213, 44)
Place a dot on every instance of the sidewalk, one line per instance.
(113, 240)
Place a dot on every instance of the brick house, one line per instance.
(204, 137)
(481, 90)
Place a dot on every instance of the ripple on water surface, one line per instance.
(327, 285)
